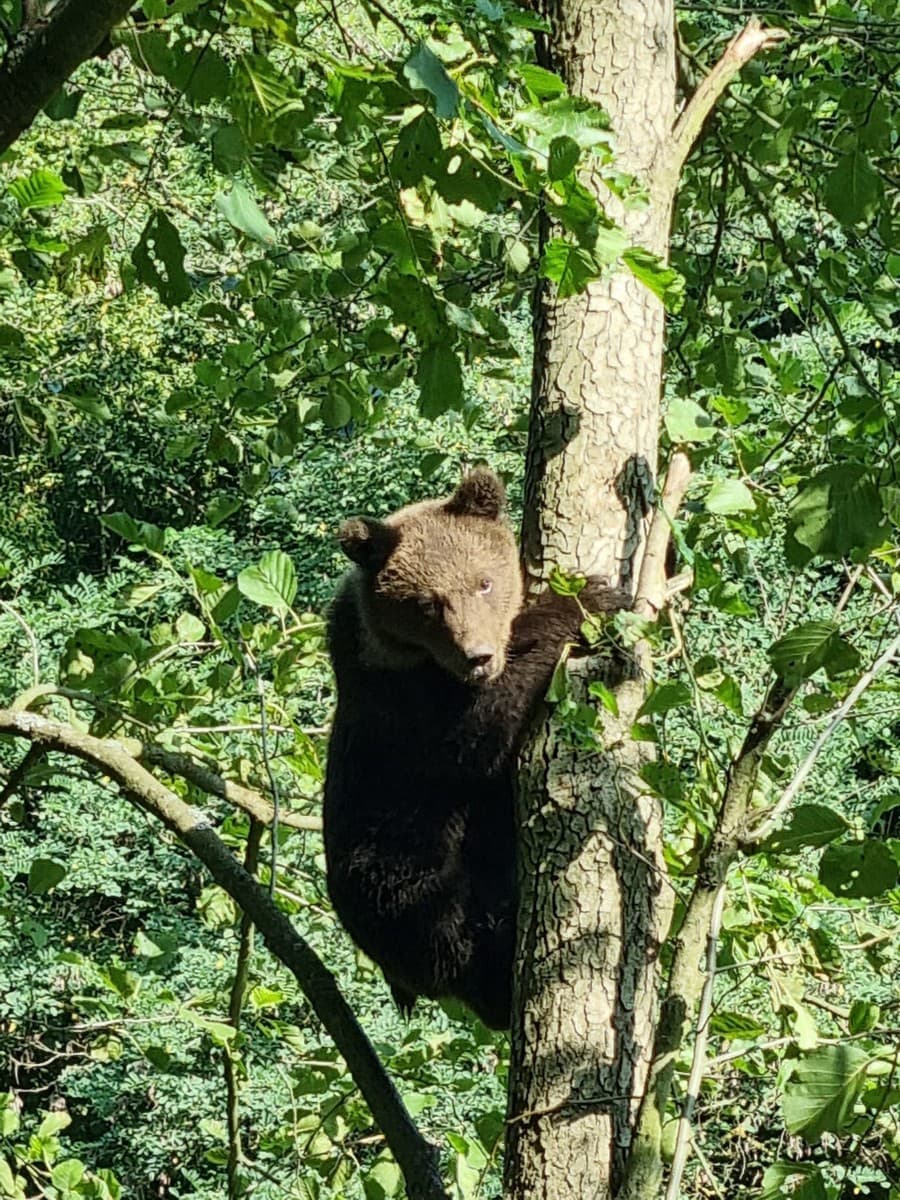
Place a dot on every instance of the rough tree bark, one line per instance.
(595, 902)
(43, 55)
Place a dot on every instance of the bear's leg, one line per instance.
(403, 998)
(486, 984)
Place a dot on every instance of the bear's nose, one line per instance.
(479, 658)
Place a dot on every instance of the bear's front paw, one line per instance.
(599, 597)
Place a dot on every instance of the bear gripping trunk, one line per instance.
(593, 905)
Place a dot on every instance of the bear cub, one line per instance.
(439, 669)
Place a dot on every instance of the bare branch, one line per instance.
(415, 1156)
(698, 1061)
(250, 801)
(839, 715)
(43, 56)
(652, 592)
(743, 46)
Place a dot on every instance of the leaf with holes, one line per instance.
(159, 260)
(809, 825)
(861, 869)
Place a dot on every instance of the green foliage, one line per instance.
(260, 270)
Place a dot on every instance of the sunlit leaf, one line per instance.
(824, 1089)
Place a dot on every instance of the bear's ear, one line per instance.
(481, 494)
(367, 542)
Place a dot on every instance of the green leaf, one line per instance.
(823, 1090)
(425, 70)
(734, 1025)
(566, 116)
(518, 257)
(221, 507)
(809, 825)
(729, 496)
(793, 1181)
(136, 533)
(663, 778)
(44, 874)
(8, 1186)
(662, 280)
(607, 698)
(272, 583)
(837, 513)
(159, 260)
(665, 697)
(806, 648)
(40, 189)
(864, 1016)
(335, 410)
(190, 628)
(563, 158)
(854, 190)
(417, 152)
(123, 981)
(686, 421)
(439, 376)
(52, 1124)
(240, 210)
(91, 406)
(541, 82)
(568, 266)
(860, 869)
(68, 1174)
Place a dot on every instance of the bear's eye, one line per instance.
(429, 607)
(485, 587)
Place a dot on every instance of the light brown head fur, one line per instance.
(439, 579)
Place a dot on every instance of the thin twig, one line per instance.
(761, 832)
(235, 1005)
(29, 633)
(33, 755)
(698, 1060)
(650, 596)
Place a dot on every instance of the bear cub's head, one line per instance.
(440, 579)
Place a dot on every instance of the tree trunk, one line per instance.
(43, 56)
(594, 905)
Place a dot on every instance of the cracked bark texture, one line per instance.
(594, 908)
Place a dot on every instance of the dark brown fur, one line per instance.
(439, 670)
